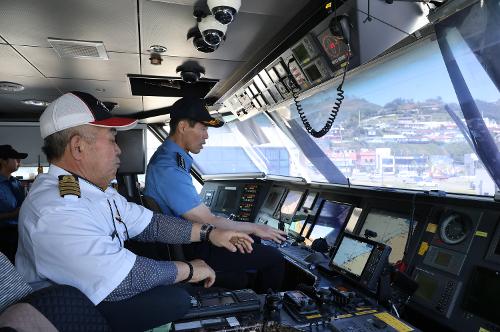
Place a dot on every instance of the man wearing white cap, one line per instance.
(72, 225)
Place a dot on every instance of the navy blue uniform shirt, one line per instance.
(11, 195)
(169, 182)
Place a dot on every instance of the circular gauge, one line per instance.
(453, 228)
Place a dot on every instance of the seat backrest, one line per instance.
(176, 252)
(12, 286)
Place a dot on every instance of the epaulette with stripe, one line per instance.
(69, 185)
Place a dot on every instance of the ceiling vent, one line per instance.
(78, 49)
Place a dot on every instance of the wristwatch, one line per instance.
(205, 232)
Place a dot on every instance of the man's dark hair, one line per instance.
(175, 122)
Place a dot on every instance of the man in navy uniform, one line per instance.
(73, 224)
(169, 183)
(11, 197)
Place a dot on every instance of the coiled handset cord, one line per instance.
(335, 109)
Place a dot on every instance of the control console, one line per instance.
(223, 303)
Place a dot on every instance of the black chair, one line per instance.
(231, 280)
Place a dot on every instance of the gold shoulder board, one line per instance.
(68, 185)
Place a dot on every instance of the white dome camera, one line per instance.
(212, 30)
(224, 10)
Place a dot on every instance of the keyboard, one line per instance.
(273, 244)
(223, 303)
(297, 253)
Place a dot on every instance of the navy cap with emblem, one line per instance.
(194, 109)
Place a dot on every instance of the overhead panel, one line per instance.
(169, 86)
(51, 65)
(214, 68)
(14, 64)
(31, 22)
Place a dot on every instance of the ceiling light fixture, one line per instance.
(11, 86)
(35, 102)
(156, 52)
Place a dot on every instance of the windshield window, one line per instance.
(397, 126)
(254, 145)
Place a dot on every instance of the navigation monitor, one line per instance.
(227, 199)
(482, 294)
(329, 222)
(132, 143)
(272, 200)
(309, 201)
(352, 255)
(391, 228)
(290, 205)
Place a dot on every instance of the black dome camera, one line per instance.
(191, 71)
(199, 43)
(212, 30)
(224, 10)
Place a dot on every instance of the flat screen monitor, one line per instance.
(309, 201)
(253, 89)
(227, 199)
(313, 73)
(391, 228)
(301, 53)
(249, 92)
(258, 81)
(132, 143)
(273, 75)
(352, 255)
(272, 200)
(329, 222)
(428, 285)
(289, 206)
(265, 78)
(482, 294)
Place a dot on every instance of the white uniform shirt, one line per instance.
(70, 240)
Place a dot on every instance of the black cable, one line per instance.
(410, 231)
(335, 109)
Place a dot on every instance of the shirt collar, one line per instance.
(5, 179)
(175, 148)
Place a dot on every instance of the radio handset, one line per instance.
(340, 27)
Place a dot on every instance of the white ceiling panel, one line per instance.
(250, 30)
(31, 22)
(51, 65)
(14, 64)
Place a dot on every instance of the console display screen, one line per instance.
(482, 294)
(330, 222)
(391, 228)
(290, 204)
(313, 73)
(227, 199)
(352, 255)
(309, 201)
(301, 53)
(427, 286)
(273, 198)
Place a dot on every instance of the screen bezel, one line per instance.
(316, 195)
(271, 210)
(287, 217)
(318, 212)
(340, 270)
(401, 212)
(222, 189)
(468, 291)
(132, 158)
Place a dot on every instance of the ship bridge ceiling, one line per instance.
(33, 34)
